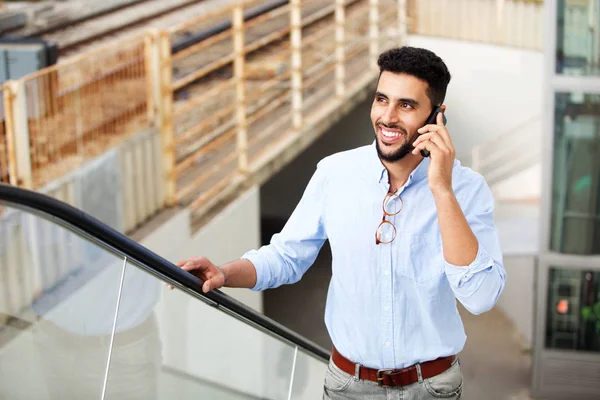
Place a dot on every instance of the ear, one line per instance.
(443, 108)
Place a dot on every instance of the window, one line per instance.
(578, 37)
(576, 175)
(573, 316)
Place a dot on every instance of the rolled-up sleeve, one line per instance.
(478, 285)
(292, 251)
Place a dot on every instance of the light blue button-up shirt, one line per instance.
(388, 305)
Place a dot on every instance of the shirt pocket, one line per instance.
(421, 258)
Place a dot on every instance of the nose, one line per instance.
(389, 117)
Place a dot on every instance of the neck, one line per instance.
(399, 171)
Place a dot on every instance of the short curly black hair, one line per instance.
(421, 63)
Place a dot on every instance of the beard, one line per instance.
(398, 154)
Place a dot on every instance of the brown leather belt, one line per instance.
(393, 377)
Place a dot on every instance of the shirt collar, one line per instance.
(380, 172)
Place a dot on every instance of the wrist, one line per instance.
(442, 192)
(224, 269)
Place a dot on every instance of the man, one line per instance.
(408, 236)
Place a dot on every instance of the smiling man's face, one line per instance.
(400, 107)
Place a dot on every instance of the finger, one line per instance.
(207, 287)
(430, 128)
(187, 266)
(423, 137)
(433, 147)
(439, 119)
(435, 137)
(180, 263)
(445, 137)
(194, 266)
(441, 131)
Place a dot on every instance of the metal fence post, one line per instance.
(7, 112)
(17, 132)
(340, 73)
(167, 132)
(373, 33)
(296, 44)
(240, 89)
(153, 76)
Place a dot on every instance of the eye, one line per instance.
(380, 99)
(406, 105)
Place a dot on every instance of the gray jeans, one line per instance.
(340, 385)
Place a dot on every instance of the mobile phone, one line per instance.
(432, 119)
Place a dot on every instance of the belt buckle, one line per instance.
(380, 378)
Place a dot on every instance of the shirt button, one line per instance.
(386, 273)
(387, 344)
(387, 308)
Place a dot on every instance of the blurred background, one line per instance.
(193, 127)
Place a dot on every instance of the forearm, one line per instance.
(239, 274)
(460, 244)
(471, 250)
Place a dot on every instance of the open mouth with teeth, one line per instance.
(389, 136)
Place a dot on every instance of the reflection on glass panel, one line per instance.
(308, 377)
(58, 297)
(136, 359)
(576, 174)
(573, 316)
(578, 37)
(175, 346)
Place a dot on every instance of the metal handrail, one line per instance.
(105, 236)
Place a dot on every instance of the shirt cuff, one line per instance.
(255, 259)
(463, 274)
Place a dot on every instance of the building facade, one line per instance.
(566, 359)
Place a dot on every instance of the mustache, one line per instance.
(388, 126)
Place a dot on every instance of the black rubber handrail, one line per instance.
(70, 216)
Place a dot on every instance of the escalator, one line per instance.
(84, 314)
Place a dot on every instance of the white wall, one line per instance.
(518, 231)
(493, 88)
(524, 185)
(518, 298)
